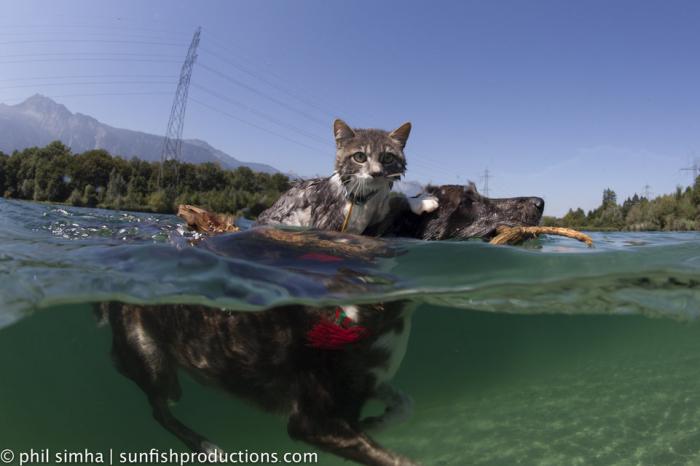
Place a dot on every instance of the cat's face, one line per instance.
(369, 160)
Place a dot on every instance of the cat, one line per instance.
(357, 194)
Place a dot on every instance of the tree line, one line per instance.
(679, 211)
(95, 178)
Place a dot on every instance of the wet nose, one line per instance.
(538, 202)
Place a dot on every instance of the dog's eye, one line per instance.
(359, 157)
(386, 158)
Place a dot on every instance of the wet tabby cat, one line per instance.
(367, 163)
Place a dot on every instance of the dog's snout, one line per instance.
(538, 202)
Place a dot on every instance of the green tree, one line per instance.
(116, 190)
(159, 201)
(3, 171)
(26, 191)
(90, 196)
(574, 218)
(95, 178)
(75, 198)
(609, 198)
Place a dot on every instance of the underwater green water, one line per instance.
(547, 354)
(490, 389)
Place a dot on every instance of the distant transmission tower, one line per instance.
(695, 169)
(172, 144)
(647, 191)
(486, 177)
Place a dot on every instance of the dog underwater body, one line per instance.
(316, 366)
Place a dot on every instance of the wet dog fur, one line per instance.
(265, 357)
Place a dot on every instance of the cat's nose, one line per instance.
(375, 169)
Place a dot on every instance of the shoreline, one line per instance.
(174, 213)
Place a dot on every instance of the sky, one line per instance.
(555, 99)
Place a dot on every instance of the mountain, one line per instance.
(39, 120)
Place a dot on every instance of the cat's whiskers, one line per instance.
(363, 186)
(354, 185)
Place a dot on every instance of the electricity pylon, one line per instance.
(172, 143)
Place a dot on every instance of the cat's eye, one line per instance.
(359, 157)
(386, 158)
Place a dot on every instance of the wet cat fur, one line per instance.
(367, 163)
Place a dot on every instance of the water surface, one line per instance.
(550, 353)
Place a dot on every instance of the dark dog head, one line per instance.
(464, 213)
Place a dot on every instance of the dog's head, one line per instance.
(464, 213)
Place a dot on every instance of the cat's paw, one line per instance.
(423, 203)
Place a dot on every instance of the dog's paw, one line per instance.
(406, 462)
(399, 408)
(423, 203)
(402, 410)
(208, 448)
(403, 461)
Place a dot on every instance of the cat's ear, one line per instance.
(401, 133)
(342, 131)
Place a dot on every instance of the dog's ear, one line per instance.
(341, 131)
(401, 133)
(471, 191)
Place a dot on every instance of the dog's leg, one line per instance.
(194, 441)
(139, 357)
(398, 408)
(337, 436)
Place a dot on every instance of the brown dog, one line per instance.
(317, 366)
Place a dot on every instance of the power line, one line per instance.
(262, 128)
(91, 41)
(100, 54)
(282, 82)
(297, 93)
(237, 118)
(88, 33)
(264, 95)
(88, 76)
(89, 26)
(93, 83)
(262, 114)
(425, 162)
(414, 159)
(130, 57)
(98, 94)
(693, 169)
(87, 59)
(261, 78)
(251, 63)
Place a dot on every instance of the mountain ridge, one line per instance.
(38, 120)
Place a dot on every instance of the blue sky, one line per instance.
(556, 99)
